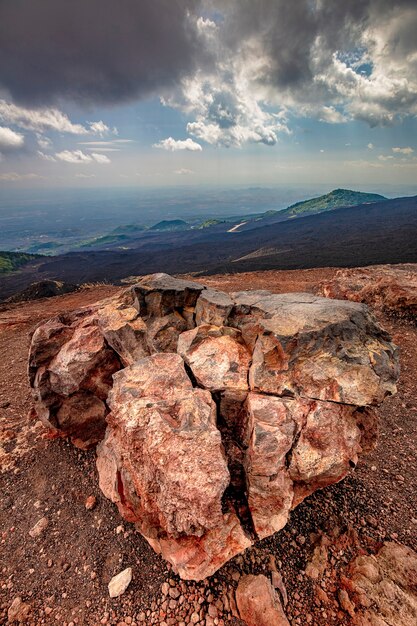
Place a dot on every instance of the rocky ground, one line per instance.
(62, 573)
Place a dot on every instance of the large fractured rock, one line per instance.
(222, 413)
(294, 448)
(392, 288)
(160, 294)
(217, 357)
(213, 307)
(306, 347)
(124, 330)
(163, 463)
(71, 376)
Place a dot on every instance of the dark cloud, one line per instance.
(94, 51)
(334, 59)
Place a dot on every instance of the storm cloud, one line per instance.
(239, 70)
(94, 51)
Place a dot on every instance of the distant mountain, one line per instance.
(170, 225)
(336, 199)
(128, 229)
(367, 234)
(105, 240)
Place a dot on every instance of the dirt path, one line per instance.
(63, 574)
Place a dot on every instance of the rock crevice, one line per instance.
(215, 414)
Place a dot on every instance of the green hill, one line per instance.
(128, 229)
(11, 261)
(105, 240)
(169, 225)
(336, 199)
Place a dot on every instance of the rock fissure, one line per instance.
(215, 415)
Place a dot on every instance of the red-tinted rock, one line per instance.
(391, 288)
(161, 294)
(328, 446)
(213, 307)
(273, 426)
(217, 357)
(163, 464)
(215, 431)
(163, 332)
(72, 375)
(258, 602)
(123, 329)
(385, 584)
(326, 350)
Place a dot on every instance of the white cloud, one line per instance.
(80, 175)
(181, 144)
(77, 157)
(361, 163)
(39, 119)
(9, 139)
(100, 128)
(331, 116)
(98, 149)
(100, 158)
(370, 146)
(45, 118)
(407, 150)
(183, 172)
(14, 176)
(335, 63)
(43, 142)
(46, 157)
(382, 157)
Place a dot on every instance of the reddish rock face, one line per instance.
(222, 413)
(336, 353)
(217, 357)
(390, 288)
(213, 307)
(73, 377)
(163, 464)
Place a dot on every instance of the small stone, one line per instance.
(194, 618)
(174, 593)
(345, 602)
(372, 521)
(18, 610)
(38, 528)
(119, 583)
(90, 503)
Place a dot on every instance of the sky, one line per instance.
(215, 92)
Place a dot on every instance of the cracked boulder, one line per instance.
(71, 375)
(315, 348)
(216, 414)
(217, 357)
(391, 288)
(163, 464)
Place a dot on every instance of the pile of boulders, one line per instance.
(215, 414)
